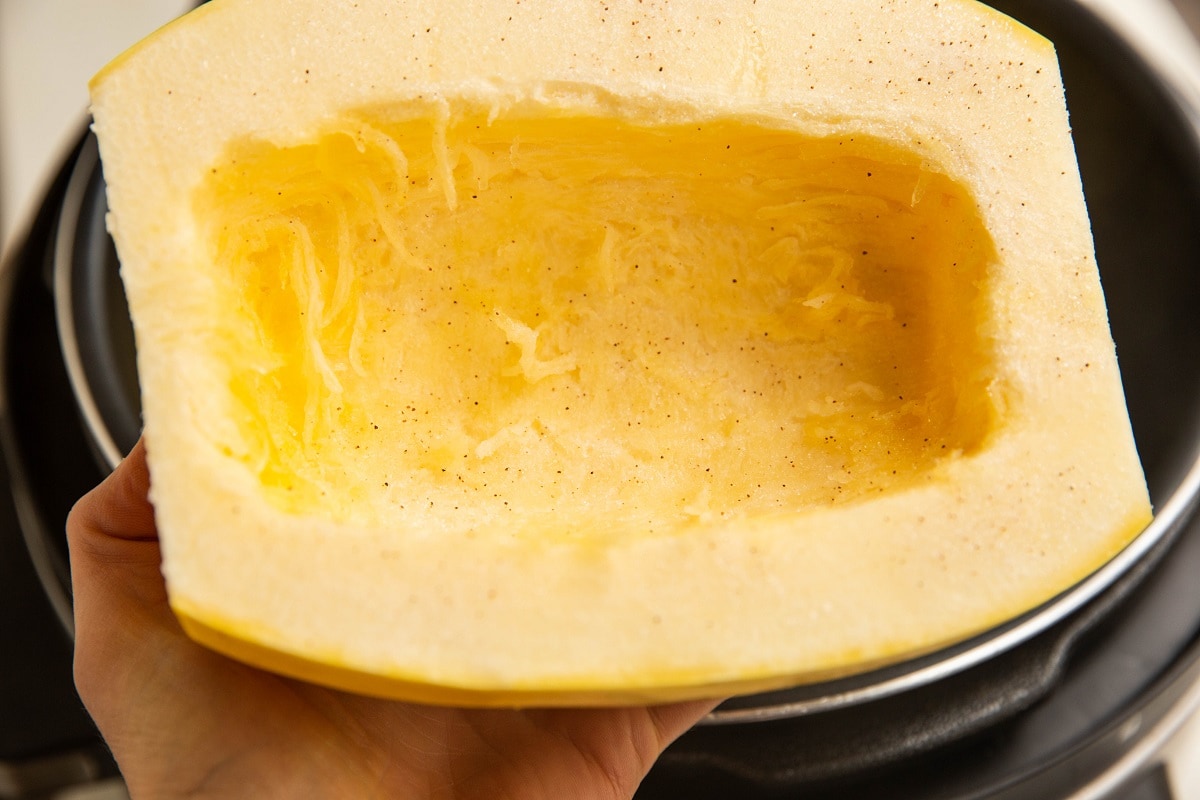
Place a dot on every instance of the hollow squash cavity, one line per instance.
(558, 325)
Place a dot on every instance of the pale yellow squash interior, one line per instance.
(564, 325)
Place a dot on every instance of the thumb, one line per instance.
(116, 577)
(112, 537)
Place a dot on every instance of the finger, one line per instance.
(618, 746)
(113, 541)
(672, 721)
(119, 508)
(117, 585)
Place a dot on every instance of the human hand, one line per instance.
(183, 721)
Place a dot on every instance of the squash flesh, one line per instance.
(563, 325)
(1013, 371)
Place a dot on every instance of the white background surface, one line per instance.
(49, 49)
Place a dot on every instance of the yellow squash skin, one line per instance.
(568, 354)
